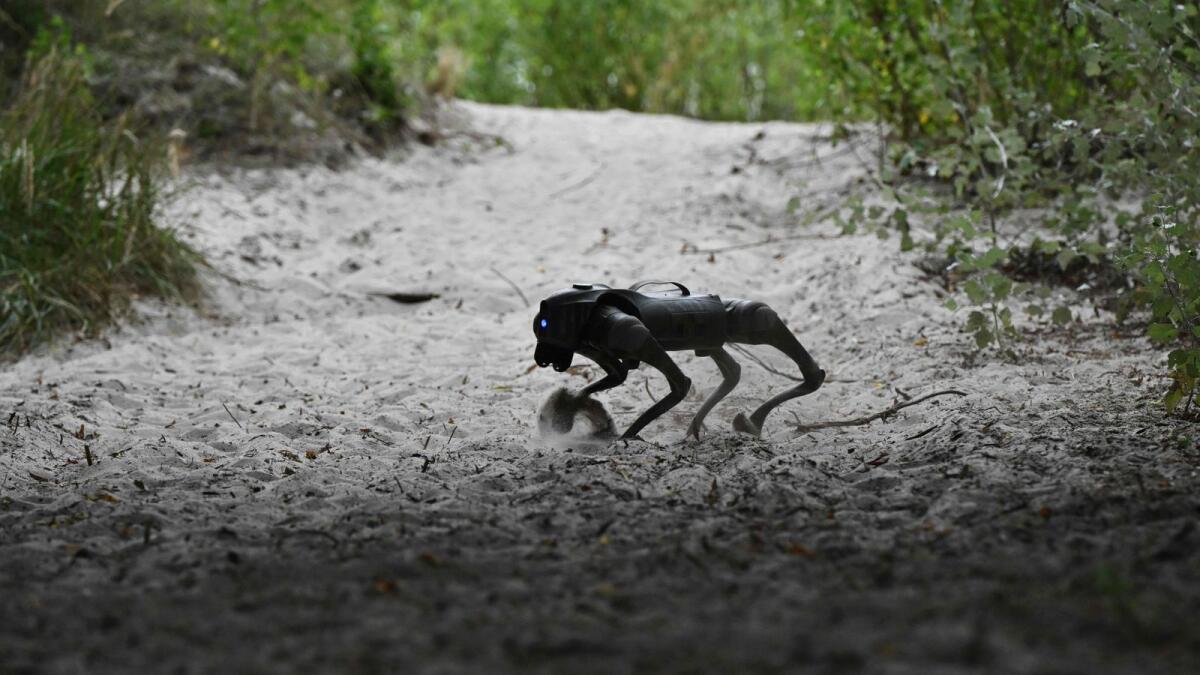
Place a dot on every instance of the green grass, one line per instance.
(78, 198)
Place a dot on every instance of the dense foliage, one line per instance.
(1055, 132)
(710, 59)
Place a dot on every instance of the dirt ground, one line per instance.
(306, 475)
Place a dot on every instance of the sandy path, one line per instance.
(308, 476)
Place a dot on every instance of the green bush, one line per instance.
(78, 236)
(712, 59)
(1061, 106)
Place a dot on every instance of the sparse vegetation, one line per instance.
(78, 195)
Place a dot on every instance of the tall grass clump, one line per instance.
(78, 237)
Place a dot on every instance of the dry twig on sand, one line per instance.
(771, 369)
(228, 412)
(512, 284)
(860, 421)
(689, 249)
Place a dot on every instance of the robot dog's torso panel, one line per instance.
(682, 322)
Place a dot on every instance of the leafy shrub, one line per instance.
(1062, 108)
(77, 204)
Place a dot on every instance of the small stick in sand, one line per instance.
(513, 285)
(692, 250)
(235, 420)
(763, 364)
(860, 421)
(775, 371)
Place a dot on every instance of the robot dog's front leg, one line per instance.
(615, 372)
(625, 337)
(560, 410)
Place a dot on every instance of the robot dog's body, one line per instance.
(621, 328)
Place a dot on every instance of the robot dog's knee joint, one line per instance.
(681, 388)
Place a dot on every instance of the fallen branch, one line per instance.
(688, 249)
(407, 298)
(513, 285)
(773, 370)
(861, 421)
(763, 364)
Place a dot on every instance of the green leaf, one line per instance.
(1162, 332)
(976, 321)
(1171, 400)
(1064, 258)
(994, 255)
(1061, 316)
(1000, 285)
(951, 304)
(1006, 319)
(975, 292)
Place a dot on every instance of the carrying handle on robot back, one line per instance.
(682, 289)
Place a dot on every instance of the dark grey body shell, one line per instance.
(567, 319)
(676, 322)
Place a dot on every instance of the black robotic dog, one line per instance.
(622, 328)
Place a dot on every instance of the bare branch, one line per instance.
(862, 421)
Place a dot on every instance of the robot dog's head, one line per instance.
(560, 323)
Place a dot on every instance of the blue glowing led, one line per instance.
(544, 323)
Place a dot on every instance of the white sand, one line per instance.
(305, 475)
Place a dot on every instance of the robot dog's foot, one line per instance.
(743, 424)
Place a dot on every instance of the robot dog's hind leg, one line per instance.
(731, 371)
(754, 323)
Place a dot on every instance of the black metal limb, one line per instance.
(731, 372)
(779, 337)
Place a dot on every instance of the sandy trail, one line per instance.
(307, 476)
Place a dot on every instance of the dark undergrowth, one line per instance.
(262, 82)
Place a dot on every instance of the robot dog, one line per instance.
(622, 328)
